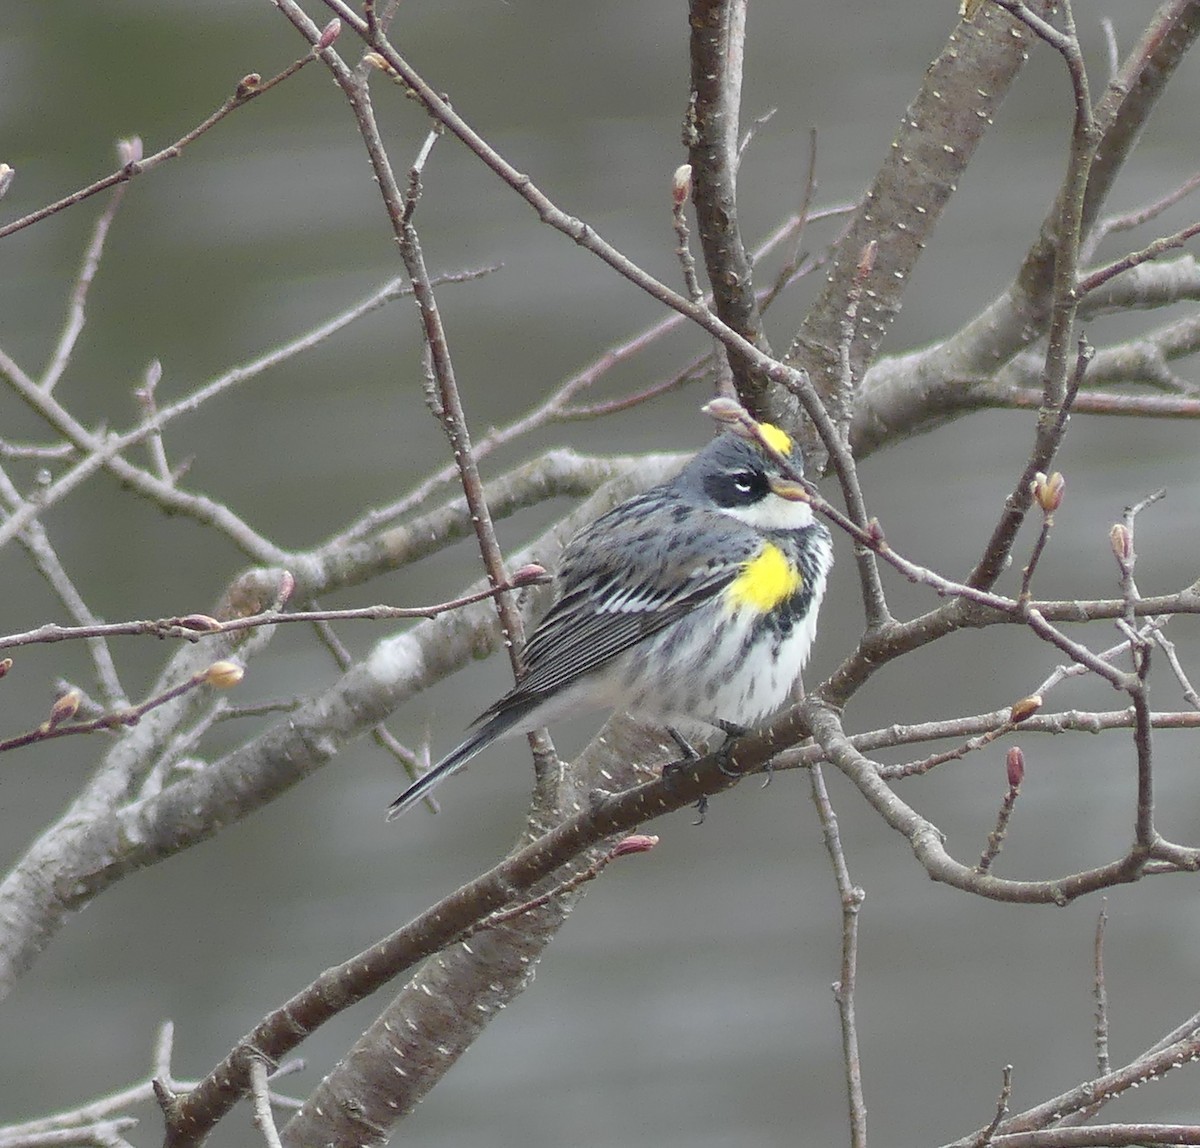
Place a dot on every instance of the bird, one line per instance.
(693, 602)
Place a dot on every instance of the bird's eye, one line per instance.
(743, 481)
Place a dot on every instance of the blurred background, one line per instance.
(687, 1001)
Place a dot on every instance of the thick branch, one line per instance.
(937, 138)
(897, 402)
(717, 49)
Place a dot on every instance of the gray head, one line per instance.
(737, 477)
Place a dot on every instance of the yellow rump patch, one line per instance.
(765, 581)
(775, 438)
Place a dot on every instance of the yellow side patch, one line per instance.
(765, 581)
(775, 438)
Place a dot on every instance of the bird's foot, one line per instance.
(687, 753)
(732, 732)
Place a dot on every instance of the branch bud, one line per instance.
(1121, 541)
(379, 63)
(248, 84)
(1048, 491)
(7, 175)
(866, 260)
(65, 707)
(200, 623)
(285, 590)
(150, 380)
(1025, 708)
(729, 414)
(528, 575)
(6, 664)
(635, 843)
(681, 185)
(329, 33)
(1015, 765)
(129, 151)
(224, 675)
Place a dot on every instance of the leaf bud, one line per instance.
(866, 259)
(728, 412)
(528, 575)
(65, 707)
(285, 590)
(1015, 765)
(1048, 491)
(129, 150)
(224, 675)
(681, 185)
(1025, 708)
(200, 623)
(1121, 541)
(329, 33)
(635, 843)
(379, 63)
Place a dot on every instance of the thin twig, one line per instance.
(852, 897)
(1122, 538)
(194, 627)
(1101, 403)
(104, 450)
(1064, 300)
(249, 87)
(414, 764)
(1015, 764)
(681, 190)
(37, 545)
(102, 1111)
(1168, 648)
(146, 400)
(453, 417)
(1100, 991)
(386, 55)
(558, 405)
(129, 152)
(1097, 278)
(1140, 215)
(637, 843)
(1047, 492)
(792, 262)
(221, 674)
(260, 1097)
(985, 1137)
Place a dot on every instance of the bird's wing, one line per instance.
(622, 579)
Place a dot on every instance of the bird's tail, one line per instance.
(494, 727)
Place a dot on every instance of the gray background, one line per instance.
(687, 1001)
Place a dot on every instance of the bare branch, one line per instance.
(195, 627)
(936, 139)
(264, 1121)
(986, 1136)
(248, 88)
(1103, 275)
(130, 151)
(718, 33)
(852, 898)
(1100, 991)
(1020, 315)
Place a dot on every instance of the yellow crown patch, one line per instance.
(775, 438)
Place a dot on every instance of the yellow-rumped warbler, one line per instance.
(695, 600)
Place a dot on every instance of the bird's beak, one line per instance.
(786, 488)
